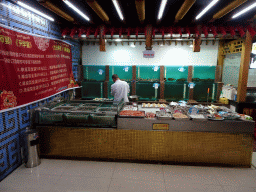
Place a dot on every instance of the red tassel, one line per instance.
(205, 31)
(223, 31)
(65, 32)
(241, 31)
(96, 32)
(251, 31)
(213, 30)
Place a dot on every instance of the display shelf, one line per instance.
(173, 73)
(175, 91)
(123, 72)
(200, 91)
(147, 92)
(94, 72)
(92, 89)
(147, 73)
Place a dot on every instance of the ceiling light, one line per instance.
(191, 45)
(118, 9)
(76, 10)
(34, 10)
(161, 10)
(132, 45)
(118, 40)
(161, 45)
(206, 9)
(245, 10)
(83, 35)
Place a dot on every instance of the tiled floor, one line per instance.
(92, 176)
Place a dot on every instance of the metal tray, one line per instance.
(151, 106)
(63, 108)
(127, 116)
(182, 119)
(198, 119)
(164, 117)
(84, 109)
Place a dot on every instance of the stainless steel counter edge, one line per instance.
(226, 126)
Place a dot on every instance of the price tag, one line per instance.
(100, 71)
(160, 126)
(126, 69)
(155, 68)
(191, 85)
(156, 85)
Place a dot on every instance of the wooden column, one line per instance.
(106, 82)
(102, 39)
(190, 73)
(161, 82)
(220, 62)
(196, 44)
(244, 68)
(148, 37)
(190, 76)
(133, 91)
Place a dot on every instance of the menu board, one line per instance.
(32, 68)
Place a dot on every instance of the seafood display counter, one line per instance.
(157, 132)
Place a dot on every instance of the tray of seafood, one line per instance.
(150, 115)
(130, 107)
(153, 105)
(180, 116)
(164, 115)
(129, 113)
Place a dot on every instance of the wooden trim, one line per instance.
(220, 62)
(196, 44)
(102, 42)
(106, 89)
(191, 94)
(244, 68)
(134, 76)
(190, 73)
(149, 37)
(161, 73)
(162, 89)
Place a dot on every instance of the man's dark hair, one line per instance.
(115, 76)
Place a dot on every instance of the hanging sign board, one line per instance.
(148, 54)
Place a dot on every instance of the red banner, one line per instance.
(32, 68)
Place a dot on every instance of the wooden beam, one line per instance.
(98, 10)
(140, 6)
(244, 68)
(190, 73)
(161, 73)
(184, 9)
(162, 89)
(228, 8)
(220, 62)
(134, 80)
(56, 10)
(149, 37)
(196, 44)
(102, 42)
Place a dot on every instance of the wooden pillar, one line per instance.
(190, 76)
(133, 80)
(220, 63)
(219, 88)
(161, 82)
(190, 73)
(102, 39)
(196, 44)
(244, 68)
(106, 82)
(148, 37)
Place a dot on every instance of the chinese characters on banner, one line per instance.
(32, 68)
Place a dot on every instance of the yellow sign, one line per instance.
(161, 126)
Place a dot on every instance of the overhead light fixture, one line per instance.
(245, 10)
(161, 10)
(132, 45)
(191, 45)
(83, 35)
(118, 40)
(118, 9)
(76, 10)
(34, 10)
(206, 9)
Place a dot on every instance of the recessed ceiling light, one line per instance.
(206, 9)
(118, 40)
(118, 9)
(34, 10)
(161, 10)
(76, 10)
(83, 35)
(244, 10)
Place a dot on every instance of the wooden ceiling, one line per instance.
(103, 12)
